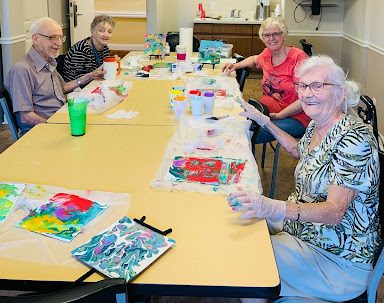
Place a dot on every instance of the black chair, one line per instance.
(173, 40)
(60, 64)
(108, 290)
(6, 105)
(369, 116)
(307, 47)
(241, 73)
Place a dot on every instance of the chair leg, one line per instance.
(274, 171)
(263, 155)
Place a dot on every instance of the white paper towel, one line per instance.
(186, 39)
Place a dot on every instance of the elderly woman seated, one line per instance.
(325, 246)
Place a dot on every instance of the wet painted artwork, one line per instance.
(9, 194)
(154, 44)
(213, 171)
(123, 250)
(62, 217)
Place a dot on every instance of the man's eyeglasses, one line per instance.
(315, 87)
(273, 35)
(54, 38)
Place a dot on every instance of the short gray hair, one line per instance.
(335, 75)
(102, 19)
(37, 24)
(271, 22)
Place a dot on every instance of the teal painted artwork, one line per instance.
(62, 217)
(123, 250)
(9, 194)
(154, 44)
(210, 51)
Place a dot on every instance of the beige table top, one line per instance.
(148, 97)
(216, 253)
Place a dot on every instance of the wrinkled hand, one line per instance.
(98, 73)
(253, 113)
(252, 204)
(228, 68)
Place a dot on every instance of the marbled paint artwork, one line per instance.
(9, 194)
(154, 44)
(123, 250)
(213, 171)
(62, 217)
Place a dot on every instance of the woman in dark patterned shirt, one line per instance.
(89, 53)
(325, 246)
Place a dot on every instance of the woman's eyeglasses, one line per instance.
(273, 35)
(54, 38)
(314, 87)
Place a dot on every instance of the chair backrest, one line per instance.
(369, 116)
(307, 47)
(6, 105)
(241, 73)
(108, 290)
(173, 40)
(60, 64)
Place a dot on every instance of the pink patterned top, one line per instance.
(278, 88)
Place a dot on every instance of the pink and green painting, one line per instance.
(123, 250)
(213, 171)
(9, 194)
(62, 217)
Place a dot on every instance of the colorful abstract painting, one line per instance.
(214, 171)
(154, 44)
(210, 51)
(62, 217)
(9, 194)
(123, 250)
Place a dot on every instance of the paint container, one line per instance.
(174, 93)
(197, 103)
(209, 102)
(181, 52)
(180, 105)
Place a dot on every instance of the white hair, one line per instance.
(335, 75)
(37, 24)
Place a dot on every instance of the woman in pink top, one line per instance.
(278, 63)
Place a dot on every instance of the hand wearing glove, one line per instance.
(253, 113)
(228, 68)
(252, 204)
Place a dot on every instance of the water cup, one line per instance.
(111, 66)
(77, 116)
(209, 102)
(180, 104)
(181, 52)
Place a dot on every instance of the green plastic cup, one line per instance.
(77, 117)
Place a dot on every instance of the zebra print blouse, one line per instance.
(81, 60)
(347, 157)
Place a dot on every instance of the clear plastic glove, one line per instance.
(228, 68)
(252, 113)
(252, 204)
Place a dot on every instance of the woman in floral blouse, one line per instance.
(329, 234)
